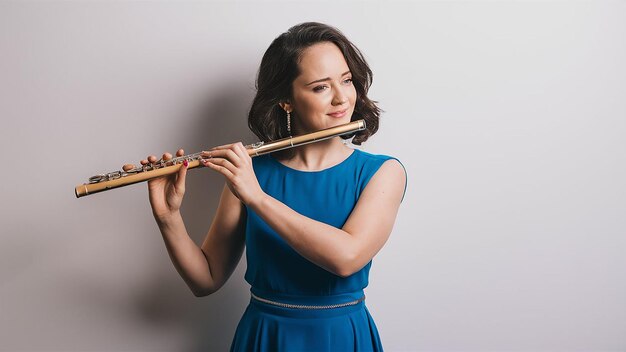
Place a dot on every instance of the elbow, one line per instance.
(344, 273)
(203, 291)
(200, 293)
(347, 266)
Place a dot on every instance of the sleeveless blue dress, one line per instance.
(277, 273)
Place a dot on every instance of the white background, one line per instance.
(510, 118)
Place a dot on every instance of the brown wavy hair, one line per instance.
(279, 68)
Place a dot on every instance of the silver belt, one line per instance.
(301, 306)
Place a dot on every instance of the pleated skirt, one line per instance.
(267, 327)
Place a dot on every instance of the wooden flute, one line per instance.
(116, 179)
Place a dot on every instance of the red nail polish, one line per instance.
(185, 163)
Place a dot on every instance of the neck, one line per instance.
(315, 156)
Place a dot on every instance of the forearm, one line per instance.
(327, 246)
(188, 259)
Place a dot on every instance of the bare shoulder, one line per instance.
(394, 169)
(389, 181)
(391, 171)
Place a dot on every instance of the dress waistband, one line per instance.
(307, 302)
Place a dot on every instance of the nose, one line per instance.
(340, 97)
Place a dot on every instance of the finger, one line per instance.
(241, 151)
(225, 146)
(232, 156)
(166, 156)
(217, 153)
(228, 154)
(152, 159)
(206, 154)
(144, 162)
(128, 167)
(217, 167)
(180, 152)
(182, 176)
(221, 162)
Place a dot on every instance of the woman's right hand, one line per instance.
(165, 192)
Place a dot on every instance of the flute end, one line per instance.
(77, 191)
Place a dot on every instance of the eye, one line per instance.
(348, 80)
(319, 88)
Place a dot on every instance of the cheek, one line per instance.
(353, 94)
(310, 103)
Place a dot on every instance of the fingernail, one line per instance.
(185, 163)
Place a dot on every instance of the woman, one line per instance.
(311, 218)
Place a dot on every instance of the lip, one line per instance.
(338, 113)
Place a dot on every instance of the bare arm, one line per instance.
(342, 251)
(225, 241)
(205, 269)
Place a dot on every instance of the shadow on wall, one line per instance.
(210, 321)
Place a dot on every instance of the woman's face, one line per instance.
(323, 93)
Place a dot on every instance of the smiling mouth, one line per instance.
(338, 113)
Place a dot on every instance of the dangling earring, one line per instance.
(289, 122)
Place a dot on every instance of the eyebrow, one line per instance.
(327, 78)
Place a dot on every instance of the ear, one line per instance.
(285, 106)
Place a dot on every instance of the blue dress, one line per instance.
(277, 273)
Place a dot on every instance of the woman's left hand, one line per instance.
(233, 161)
